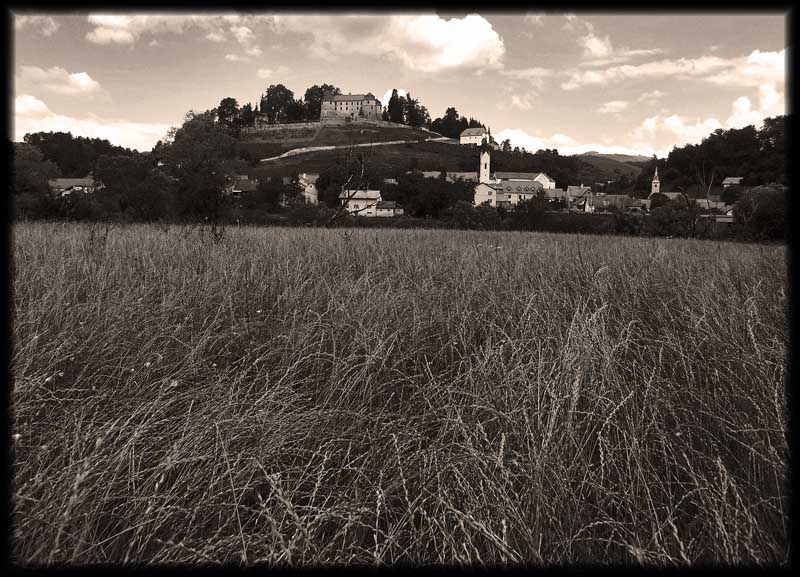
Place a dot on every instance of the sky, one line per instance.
(621, 83)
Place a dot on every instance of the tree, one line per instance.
(200, 157)
(295, 111)
(228, 112)
(276, 103)
(133, 188)
(247, 115)
(31, 190)
(506, 145)
(313, 99)
(395, 108)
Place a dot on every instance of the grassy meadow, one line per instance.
(304, 396)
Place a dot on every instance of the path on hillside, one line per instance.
(296, 151)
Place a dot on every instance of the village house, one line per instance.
(388, 208)
(732, 181)
(66, 186)
(240, 184)
(476, 136)
(308, 181)
(350, 107)
(361, 202)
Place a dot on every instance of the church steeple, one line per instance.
(656, 184)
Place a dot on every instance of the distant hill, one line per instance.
(603, 167)
(619, 157)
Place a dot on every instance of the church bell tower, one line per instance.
(656, 184)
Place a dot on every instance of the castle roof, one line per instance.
(329, 96)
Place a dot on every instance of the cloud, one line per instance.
(522, 101)
(236, 58)
(599, 50)
(421, 42)
(58, 80)
(753, 70)
(613, 107)
(534, 19)
(27, 105)
(650, 96)
(565, 144)
(595, 47)
(129, 28)
(388, 94)
(677, 130)
(534, 74)
(154, 42)
(33, 115)
(270, 73)
(44, 25)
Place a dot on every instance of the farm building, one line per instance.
(474, 136)
(388, 208)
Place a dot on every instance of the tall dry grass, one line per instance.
(290, 396)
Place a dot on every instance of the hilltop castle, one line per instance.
(350, 106)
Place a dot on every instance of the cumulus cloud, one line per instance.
(58, 80)
(679, 130)
(422, 42)
(44, 25)
(33, 115)
(565, 144)
(27, 105)
(613, 107)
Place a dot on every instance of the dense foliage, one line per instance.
(758, 156)
(75, 156)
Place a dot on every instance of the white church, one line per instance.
(507, 189)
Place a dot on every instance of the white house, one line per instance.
(361, 202)
(473, 136)
(732, 181)
(66, 186)
(308, 181)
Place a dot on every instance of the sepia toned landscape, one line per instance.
(437, 288)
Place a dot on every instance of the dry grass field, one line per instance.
(297, 396)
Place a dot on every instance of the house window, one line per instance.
(355, 207)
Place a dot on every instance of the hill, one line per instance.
(297, 136)
(619, 157)
(602, 167)
(417, 155)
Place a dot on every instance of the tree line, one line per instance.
(756, 155)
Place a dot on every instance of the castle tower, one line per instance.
(484, 171)
(656, 185)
